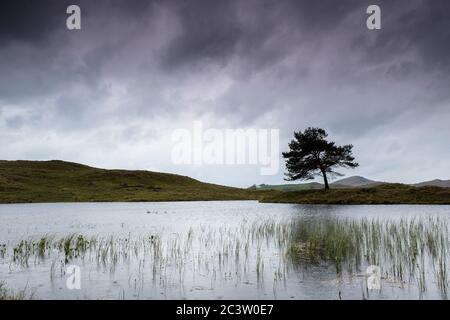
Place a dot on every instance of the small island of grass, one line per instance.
(381, 194)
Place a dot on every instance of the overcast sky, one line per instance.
(111, 94)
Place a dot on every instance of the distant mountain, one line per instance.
(434, 183)
(350, 182)
(356, 181)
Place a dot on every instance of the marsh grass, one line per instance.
(220, 254)
(407, 250)
(7, 294)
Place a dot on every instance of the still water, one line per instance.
(184, 250)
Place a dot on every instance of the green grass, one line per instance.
(382, 194)
(59, 181)
(406, 250)
(7, 294)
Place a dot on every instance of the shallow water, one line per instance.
(207, 250)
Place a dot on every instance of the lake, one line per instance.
(217, 250)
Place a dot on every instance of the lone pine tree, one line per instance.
(311, 155)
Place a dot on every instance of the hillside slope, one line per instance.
(350, 182)
(59, 181)
(434, 183)
(355, 181)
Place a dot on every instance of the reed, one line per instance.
(412, 251)
(8, 294)
(406, 250)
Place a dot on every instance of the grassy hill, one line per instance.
(381, 194)
(59, 181)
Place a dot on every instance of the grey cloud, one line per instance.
(29, 21)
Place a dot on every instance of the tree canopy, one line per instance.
(311, 155)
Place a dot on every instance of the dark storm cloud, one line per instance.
(216, 32)
(35, 20)
(28, 20)
(209, 31)
(422, 26)
(40, 57)
(219, 29)
(252, 36)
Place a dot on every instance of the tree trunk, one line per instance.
(325, 180)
